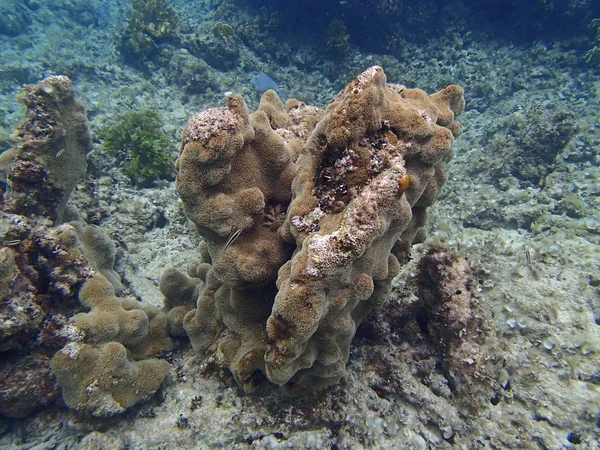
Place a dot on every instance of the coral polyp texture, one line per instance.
(304, 230)
(101, 370)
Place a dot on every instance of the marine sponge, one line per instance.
(319, 215)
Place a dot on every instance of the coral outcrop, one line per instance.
(593, 55)
(15, 17)
(304, 229)
(41, 271)
(51, 157)
(220, 48)
(524, 147)
(235, 176)
(378, 155)
(50, 258)
(97, 370)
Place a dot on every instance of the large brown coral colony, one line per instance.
(284, 298)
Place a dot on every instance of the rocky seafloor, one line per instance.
(521, 205)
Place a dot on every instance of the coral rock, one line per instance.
(26, 385)
(51, 158)
(457, 322)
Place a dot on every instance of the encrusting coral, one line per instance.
(299, 229)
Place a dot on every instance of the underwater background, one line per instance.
(516, 225)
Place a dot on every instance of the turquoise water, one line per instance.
(516, 227)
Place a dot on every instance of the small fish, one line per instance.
(232, 238)
(11, 243)
(60, 152)
(263, 82)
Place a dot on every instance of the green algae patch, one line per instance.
(139, 144)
